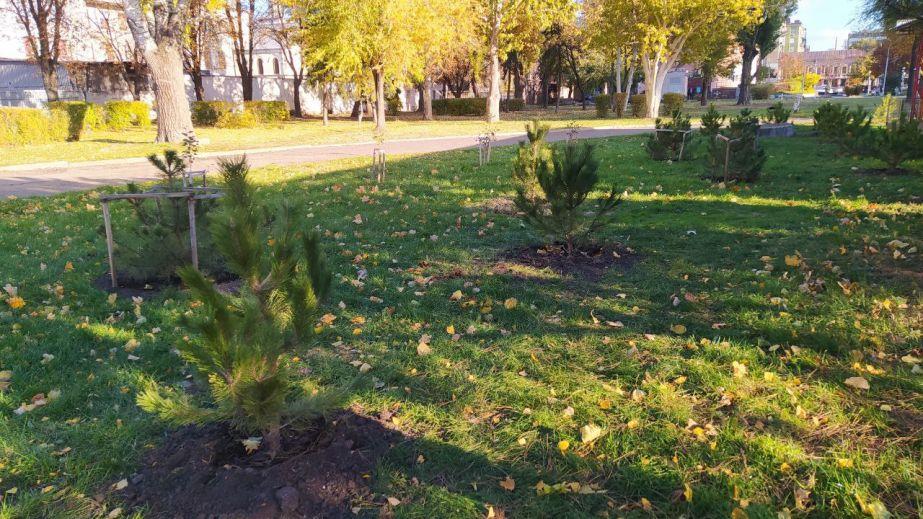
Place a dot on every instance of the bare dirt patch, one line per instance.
(205, 472)
(590, 262)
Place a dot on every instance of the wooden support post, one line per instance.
(110, 245)
(193, 242)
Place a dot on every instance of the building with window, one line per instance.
(833, 66)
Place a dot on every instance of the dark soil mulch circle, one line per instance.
(590, 262)
(205, 472)
(227, 284)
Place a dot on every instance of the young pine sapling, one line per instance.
(242, 339)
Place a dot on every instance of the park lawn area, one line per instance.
(104, 144)
(714, 356)
(134, 143)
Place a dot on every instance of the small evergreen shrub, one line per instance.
(675, 142)
(474, 106)
(121, 115)
(745, 157)
(529, 156)
(234, 120)
(268, 111)
(240, 341)
(20, 126)
(761, 91)
(777, 114)
(565, 180)
(901, 140)
(671, 102)
(512, 104)
(712, 121)
(638, 104)
(855, 135)
(619, 99)
(829, 119)
(156, 240)
(603, 103)
(207, 113)
(81, 116)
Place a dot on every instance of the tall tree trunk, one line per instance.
(706, 84)
(49, 78)
(629, 82)
(518, 88)
(325, 105)
(557, 97)
(493, 67)
(198, 86)
(378, 76)
(746, 64)
(173, 116)
(427, 98)
(296, 95)
(246, 83)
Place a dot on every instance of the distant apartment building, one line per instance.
(859, 36)
(792, 38)
(833, 66)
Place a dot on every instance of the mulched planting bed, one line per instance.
(590, 262)
(205, 472)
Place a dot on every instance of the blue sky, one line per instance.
(829, 21)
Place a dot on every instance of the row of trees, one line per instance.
(369, 48)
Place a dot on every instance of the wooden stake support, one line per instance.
(484, 144)
(191, 194)
(378, 164)
(682, 145)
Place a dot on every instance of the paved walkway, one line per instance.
(24, 182)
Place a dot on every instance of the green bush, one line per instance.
(829, 119)
(528, 157)
(32, 126)
(155, 242)
(853, 90)
(475, 106)
(603, 103)
(638, 105)
(81, 116)
(121, 115)
(899, 141)
(393, 104)
(207, 113)
(777, 114)
(761, 91)
(240, 339)
(268, 111)
(712, 121)
(674, 142)
(745, 159)
(565, 179)
(243, 119)
(671, 102)
(620, 103)
(512, 104)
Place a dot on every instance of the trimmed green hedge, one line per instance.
(671, 102)
(207, 113)
(460, 106)
(761, 91)
(244, 119)
(267, 111)
(620, 104)
(638, 105)
(121, 115)
(81, 116)
(32, 126)
(603, 102)
(512, 105)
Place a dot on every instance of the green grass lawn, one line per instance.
(102, 144)
(785, 288)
